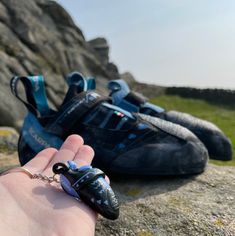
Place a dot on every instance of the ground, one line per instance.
(190, 205)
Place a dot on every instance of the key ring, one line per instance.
(39, 176)
(82, 183)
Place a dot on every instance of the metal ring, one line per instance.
(18, 169)
(38, 176)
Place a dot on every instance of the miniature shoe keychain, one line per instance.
(89, 185)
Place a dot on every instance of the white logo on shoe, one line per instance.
(36, 85)
(37, 138)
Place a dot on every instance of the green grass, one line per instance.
(223, 117)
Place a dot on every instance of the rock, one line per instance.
(40, 37)
(8, 161)
(112, 70)
(193, 205)
(148, 90)
(8, 140)
(129, 78)
(101, 48)
(10, 108)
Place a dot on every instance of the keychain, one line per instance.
(89, 185)
(85, 183)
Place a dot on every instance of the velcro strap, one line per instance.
(74, 110)
(135, 99)
(36, 100)
(88, 177)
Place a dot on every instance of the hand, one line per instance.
(32, 207)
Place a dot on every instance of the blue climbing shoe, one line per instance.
(217, 144)
(124, 143)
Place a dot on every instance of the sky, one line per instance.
(165, 42)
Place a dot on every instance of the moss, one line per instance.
(4, 149)
(133, 191)
(218, 222)
(5, 133)
(7, 150)
(8, 161)
(144, 233)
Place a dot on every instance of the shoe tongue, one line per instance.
(119, 89)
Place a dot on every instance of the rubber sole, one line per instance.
(191, 158)
(218, 145)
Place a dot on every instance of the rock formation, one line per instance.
(101, 49)
(40, 37)
(148, 90)
(200, 205)
(8, 139)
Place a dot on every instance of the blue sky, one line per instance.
(166, 42)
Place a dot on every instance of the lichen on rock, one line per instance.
(8, 140)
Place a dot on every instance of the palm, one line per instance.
(45, 208)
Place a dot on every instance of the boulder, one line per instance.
(202, 205)
(101, 48)
(8, 161)
(148, 90)
(191, 205)
(8, 140)
(40, 37)
(113, 71)
(129, 78)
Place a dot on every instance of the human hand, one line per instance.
(32, 207)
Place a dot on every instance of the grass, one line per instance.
(223, 117)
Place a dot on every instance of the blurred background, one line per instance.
(167, 42)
